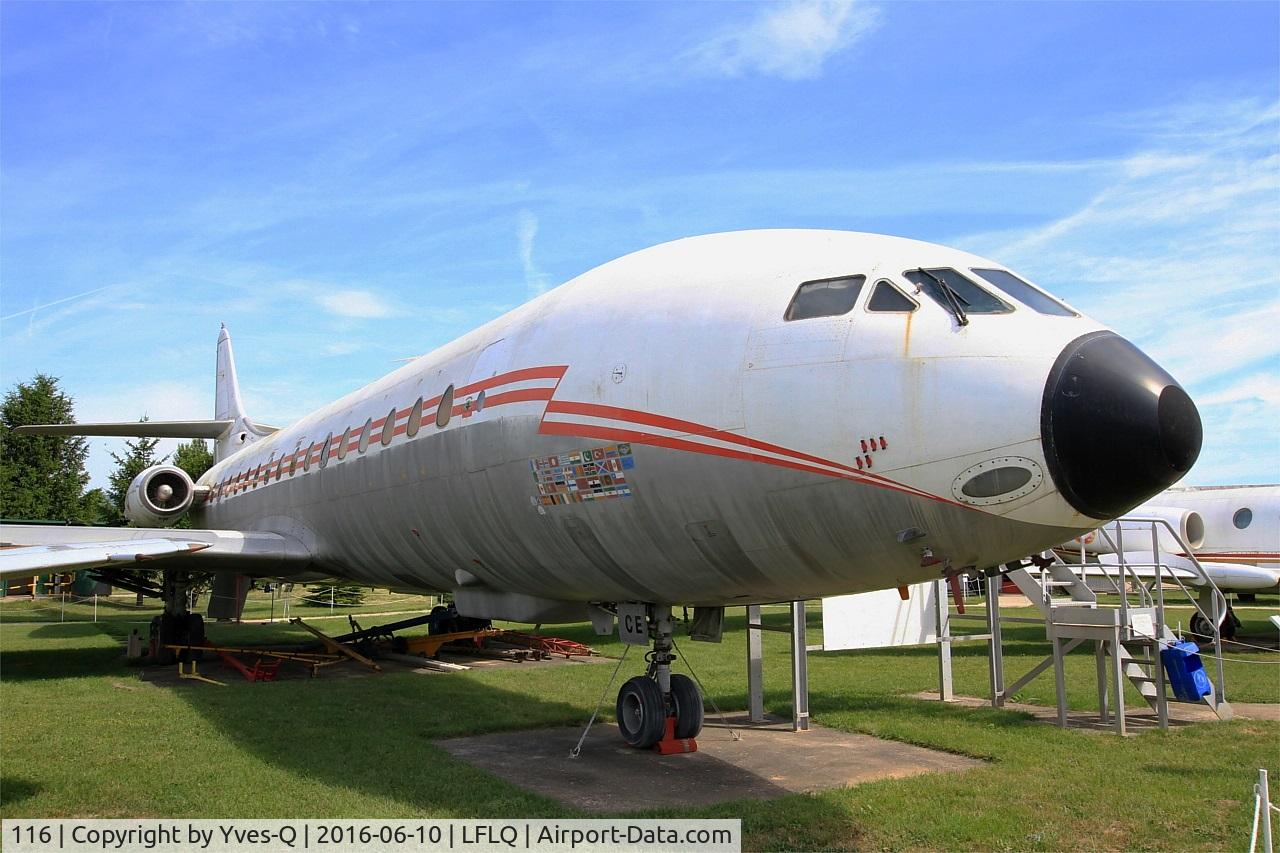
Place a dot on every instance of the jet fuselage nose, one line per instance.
(1116, 427)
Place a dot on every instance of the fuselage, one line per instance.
(1241, 523)
(658, 429)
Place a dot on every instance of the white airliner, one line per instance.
(1233, 532)
(737, 418)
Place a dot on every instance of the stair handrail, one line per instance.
(1217, 599)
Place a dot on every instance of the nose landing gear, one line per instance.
(660, 710)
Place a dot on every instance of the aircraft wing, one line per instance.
(40, 559)
(38, 549)
(142, 429)
(1228, 577)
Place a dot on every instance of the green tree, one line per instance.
(340, 595)
(140, 454)
(194, 457)
(96, 508)
(41, 476)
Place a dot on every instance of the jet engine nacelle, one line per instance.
(1137, 535)
(159, 496)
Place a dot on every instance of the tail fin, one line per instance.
(227, 405)
(231, 429)
(226, 392)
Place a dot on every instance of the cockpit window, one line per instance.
(1025, 293)
(887, 298)
(972, 299)
(827, 297)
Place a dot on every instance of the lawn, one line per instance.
(82, 735)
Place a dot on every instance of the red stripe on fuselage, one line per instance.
(676, 424)
(649, 438)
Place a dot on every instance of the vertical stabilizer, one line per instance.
(226, 394)
(227, 405)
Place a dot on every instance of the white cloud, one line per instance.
(1178, 248)
(791, 40)
(1259, 388)
(360, 304)
(536, 281)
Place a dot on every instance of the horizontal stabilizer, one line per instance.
(42, 559)
(134, 429)
(44, 548)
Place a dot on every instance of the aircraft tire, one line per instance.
(164, 631)
(195, 635)
(642, 715)
(687, 699)
(1200, 627)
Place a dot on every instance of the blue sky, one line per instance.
(347, 185)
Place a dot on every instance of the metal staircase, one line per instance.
(1132, 631)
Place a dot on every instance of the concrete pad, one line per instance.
(768, 761)
(1138, 718)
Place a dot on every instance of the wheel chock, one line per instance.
(672, 745)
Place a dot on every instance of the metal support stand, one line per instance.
(995, 651)
(1117, 679)
(1059, 675)
(799, 670)
(755, 666)
(942, 610)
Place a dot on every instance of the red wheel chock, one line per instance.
(672, 745)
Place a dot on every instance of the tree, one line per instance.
(140, 454)
(41, 476)
(338, 595)
(194, 457)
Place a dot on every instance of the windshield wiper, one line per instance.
(953, 299)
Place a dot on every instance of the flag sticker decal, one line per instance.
(592, 474)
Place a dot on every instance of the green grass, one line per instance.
(81, 735)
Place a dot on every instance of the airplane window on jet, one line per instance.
(1025, 293)
(887, 298)
(389, 427)
(364, 435)
(828, 297)
(415, 419)
(326, 449)
(306, 458)
(445, 409)
(973, 299)
(343, 442)
(1243, 518)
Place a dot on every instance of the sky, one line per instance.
(349, 185)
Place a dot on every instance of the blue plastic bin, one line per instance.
(1186, 671)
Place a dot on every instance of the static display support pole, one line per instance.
(799, 670)
(943, 611)
(995, 648)
(755, 666)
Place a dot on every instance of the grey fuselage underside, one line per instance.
(696, 529)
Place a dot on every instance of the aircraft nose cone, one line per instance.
(1116, 428)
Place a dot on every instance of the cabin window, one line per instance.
(364, 435)
(389, 427)
(326, 449)
(415, 419)
(827, 297)
(343, 442)
(480, 401)
(1026, 294)
(973, 299)
(445, 410)
(1243, 518)
(888, 299)
(306, 458)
